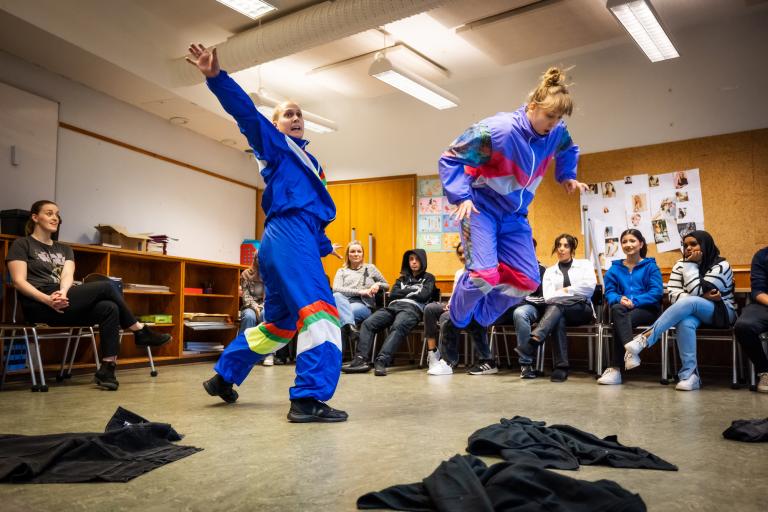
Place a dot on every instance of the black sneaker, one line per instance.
(380, 368)
(357, 365)
(559, 375)
(307, 410)
(527, 372)
(217, 386)
(484, 367)
(145, 337)
(105, 376)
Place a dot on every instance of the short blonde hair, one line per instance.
(280, 108)
(552, 93)
(346, 253)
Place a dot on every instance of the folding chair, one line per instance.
(703, 334)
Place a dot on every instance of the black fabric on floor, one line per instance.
(465, 484)
(748, 431)
(130, 447)
(558, 446)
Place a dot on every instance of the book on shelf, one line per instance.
(208, 317)
(208, 326)
(146, 287)
(196, 347)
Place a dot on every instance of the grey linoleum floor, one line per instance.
(400, 428)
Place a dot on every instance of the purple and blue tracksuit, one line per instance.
(498, 163)
(298, 207)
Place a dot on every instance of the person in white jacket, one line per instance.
(568, 287)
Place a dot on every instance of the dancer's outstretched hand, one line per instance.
(204, 59)
(334, 252)
(572, 186)
(465, 209)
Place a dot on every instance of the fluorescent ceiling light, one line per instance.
(643, 24)
(251, 8)
(312, 122)
(412, 84)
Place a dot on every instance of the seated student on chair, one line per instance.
(42, 270)
(354, 290)
(410, 293)
(568, 287)
(633, 288)
(754, 319)
(701, 292)
(437, 315)
(252, 304)
(523, 316)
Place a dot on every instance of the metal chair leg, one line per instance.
(30, 362)
(153, 371)
(95, 350)
(43, 386)
(591, 353)
(664, 359)
(423, 352)
(734, 372)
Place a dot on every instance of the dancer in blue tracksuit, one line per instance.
(298, 207)
(491, 173)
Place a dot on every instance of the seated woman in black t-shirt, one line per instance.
(42, 271)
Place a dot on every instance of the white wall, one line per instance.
(98, 182)
(622, 100)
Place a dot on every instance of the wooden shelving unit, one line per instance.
(142, 268)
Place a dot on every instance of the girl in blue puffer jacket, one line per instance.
(633, 287)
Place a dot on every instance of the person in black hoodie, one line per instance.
(754, 319)
(410, 293)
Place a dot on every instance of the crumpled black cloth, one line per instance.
(130, 446)
(465, 484)
(748, 431)
(558, 446)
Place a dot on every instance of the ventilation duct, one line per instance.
(305, 29)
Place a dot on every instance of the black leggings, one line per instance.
(624, 321)
(555, 319)
(89, 304)
(752, 322)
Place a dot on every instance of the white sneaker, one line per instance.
(633, 348)
(440, 368)
(432, 358)
(611, 376)
(691, 383)
(269, 360)
(762, 384)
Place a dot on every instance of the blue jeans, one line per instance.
(523, 316)
(248, 318)
(352, 311)
(685, 316)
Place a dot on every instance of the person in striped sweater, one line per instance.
(700, 289)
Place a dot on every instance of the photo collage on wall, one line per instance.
(663, 207)
(438, 231)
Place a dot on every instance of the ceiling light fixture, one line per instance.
(251, 8)
(312, 122)
(640, 19)
(410, 83)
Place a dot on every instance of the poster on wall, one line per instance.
(438, 231)
(664, 207)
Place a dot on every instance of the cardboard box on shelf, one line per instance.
(115, 235)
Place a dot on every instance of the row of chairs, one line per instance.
(31, 334)
(599, 334)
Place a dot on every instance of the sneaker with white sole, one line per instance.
(269, 360)
(633, 348)
(440, 368)
(762, 383)
(484, 367)
(433, 356)
(691, 383)
(610, 377)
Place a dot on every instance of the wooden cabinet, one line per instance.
(383, 208)
(134, 267)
